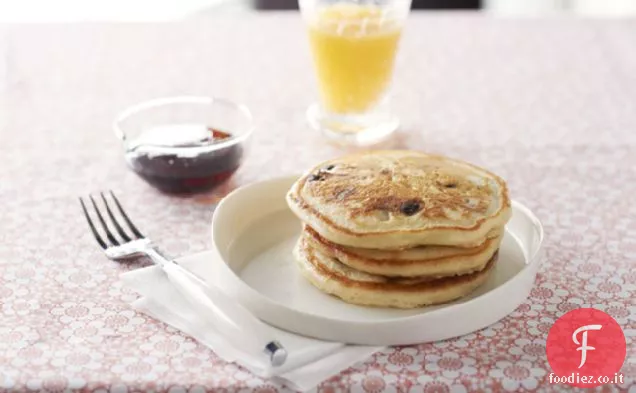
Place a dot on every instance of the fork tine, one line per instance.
(99, 239)
(120, 230)
(121, 210)
(109, 234)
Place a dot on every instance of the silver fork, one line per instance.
(236, 323)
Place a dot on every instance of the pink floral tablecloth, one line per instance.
(548, 104)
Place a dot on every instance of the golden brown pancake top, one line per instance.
(416, 185)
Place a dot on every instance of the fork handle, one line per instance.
(237, 324)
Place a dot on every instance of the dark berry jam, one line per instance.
(177, 173)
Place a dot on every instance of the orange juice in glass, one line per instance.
(354, 45)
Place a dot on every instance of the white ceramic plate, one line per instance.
(254, 232)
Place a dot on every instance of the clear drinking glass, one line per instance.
(354, 45)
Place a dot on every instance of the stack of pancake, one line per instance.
(398, 228)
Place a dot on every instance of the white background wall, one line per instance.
(600, 8)
(108, 10)
(164, 10)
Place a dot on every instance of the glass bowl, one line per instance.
(186, 144)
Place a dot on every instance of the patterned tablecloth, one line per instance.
(548, 104)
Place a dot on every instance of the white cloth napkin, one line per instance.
(309, 361)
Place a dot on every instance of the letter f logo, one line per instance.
(583, 344)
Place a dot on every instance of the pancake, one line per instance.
(399, 199)
(354, 287)
(430, 261)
